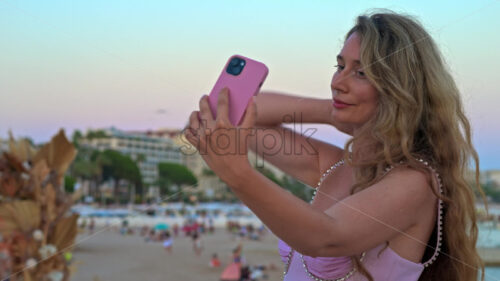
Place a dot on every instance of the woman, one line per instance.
(393, 204)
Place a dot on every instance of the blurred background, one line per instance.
(121, 78)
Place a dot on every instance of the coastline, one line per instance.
(490, 256)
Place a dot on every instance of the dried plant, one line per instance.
(34, 224)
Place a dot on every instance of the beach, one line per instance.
(106, 255)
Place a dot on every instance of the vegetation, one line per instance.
(69, 184)
(97, 167)
(76, 137)
(269, 174)
(492, 191)
(99, 134)
(207, 172)
(120, 167)
(173, 176)
(296, 187)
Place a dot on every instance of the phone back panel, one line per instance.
(241, 88)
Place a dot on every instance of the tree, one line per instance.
(120, 167)
(76, 137)
(69, 184)
(269, 174)
(88, 166)
(141, 158)
(174, 174)
(30, 141)
(207, 172)
(96, 134)
(491, 191)
(296, 187)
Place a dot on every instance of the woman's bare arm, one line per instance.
(296, 153)
(276, 108)
(353, 225)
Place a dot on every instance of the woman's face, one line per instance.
(355, 99)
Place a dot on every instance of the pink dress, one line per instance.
(383, 264)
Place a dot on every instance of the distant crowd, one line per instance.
(195, 230)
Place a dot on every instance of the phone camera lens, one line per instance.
(235, 66)
(234, 62)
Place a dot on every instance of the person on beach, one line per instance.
(197, 243)
(211, 227)
(393, 203)
(176, 229)
(91, 226)
(237, 256)
(186, 229)
(150, 237)
(214, 261)
(168, 242)
(124, 228)
(83, 225)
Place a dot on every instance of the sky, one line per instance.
(140, 65)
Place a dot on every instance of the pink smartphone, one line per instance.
(243, 77)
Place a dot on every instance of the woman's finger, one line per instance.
(223, 108)
(250, 116)
(193, 140)
(196, 130)
(205, 112)
(194, 123)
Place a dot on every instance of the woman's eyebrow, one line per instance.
(341, 58)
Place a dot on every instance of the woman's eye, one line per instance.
(339, 67)
(360, 74)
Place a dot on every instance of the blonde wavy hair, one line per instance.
(420, 115)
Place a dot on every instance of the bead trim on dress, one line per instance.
(440, 216)
(439, 222)
(289, 256)
(349, 274)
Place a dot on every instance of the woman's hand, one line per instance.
(223, 146)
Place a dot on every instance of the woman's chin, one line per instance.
(338, 118)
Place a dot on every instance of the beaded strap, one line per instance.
(440, 214)
(439, 222)
(290, 255)
(387, 170)
(326, 173)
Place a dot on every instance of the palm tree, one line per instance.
(140, 159)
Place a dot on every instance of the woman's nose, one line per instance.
(339, 81)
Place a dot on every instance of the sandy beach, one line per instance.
(106, 255)
(109, 256)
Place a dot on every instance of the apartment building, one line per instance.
(148, 151)
(492, 177)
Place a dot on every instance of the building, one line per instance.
(147, 151)
(4, 145)
(208, 182)
(149, 148)
(491, 177)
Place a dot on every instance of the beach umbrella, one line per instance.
(161, 226)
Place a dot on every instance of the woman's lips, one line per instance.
(339, 104)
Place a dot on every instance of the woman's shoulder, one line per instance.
(423, 181)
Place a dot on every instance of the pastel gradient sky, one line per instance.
(144, 64)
